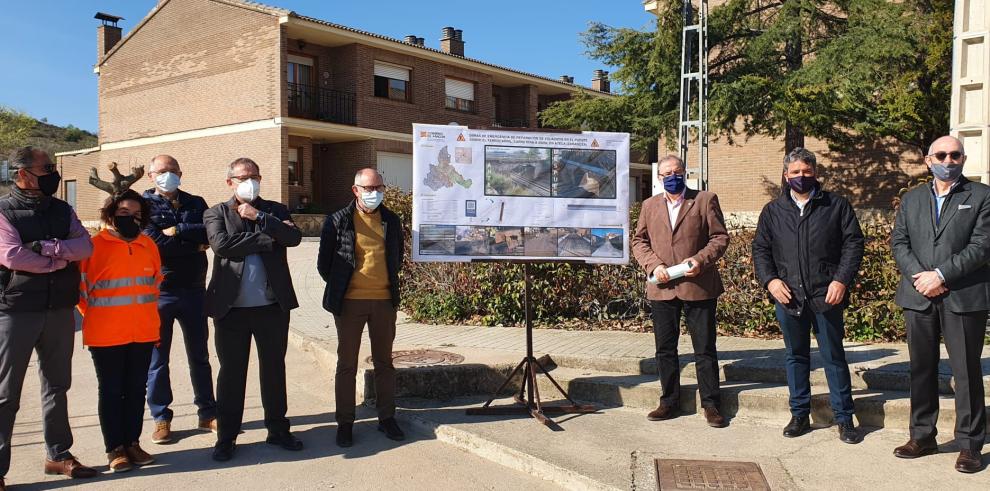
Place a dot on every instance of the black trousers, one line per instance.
(270, 327)
(963, 333)
(700, 320)
(122, 375)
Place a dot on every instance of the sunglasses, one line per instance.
(940, 156)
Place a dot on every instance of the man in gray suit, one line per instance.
(941, 242)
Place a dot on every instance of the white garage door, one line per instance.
(396, 169)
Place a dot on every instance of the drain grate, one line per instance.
(423, 358)
(674, 475)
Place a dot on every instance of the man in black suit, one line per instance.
(941, 242)
(250, 294)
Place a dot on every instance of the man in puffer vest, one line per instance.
(41, 241)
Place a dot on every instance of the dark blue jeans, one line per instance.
(185, 306)
(829, 328)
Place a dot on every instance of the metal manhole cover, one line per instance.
(675, 475)
(423, 358)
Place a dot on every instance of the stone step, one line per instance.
(765, 401)
(770, 368)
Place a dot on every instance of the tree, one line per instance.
(15, 127)
(839, 70)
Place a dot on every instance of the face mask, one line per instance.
(673, 183)
(371, 199)
(947, 173)
(48, 183)
(167, 181)
(126, 226)
(248, 190)
(802, 184)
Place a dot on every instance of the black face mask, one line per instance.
(48, 183)
(127, 227)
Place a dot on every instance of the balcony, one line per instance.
(311, 102)
(510, 123)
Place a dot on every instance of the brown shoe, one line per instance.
(662, 412)
(208, 425)
(715, 420)
(914, 449)
(137, 455)
(163, 432)
(3, 487)
(69, 467)
(969, 462)
(118, 460)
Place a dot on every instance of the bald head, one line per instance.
(367, 177)
(164, 163)
(946, 144)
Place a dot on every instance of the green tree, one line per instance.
(839, 70)
(15, 128)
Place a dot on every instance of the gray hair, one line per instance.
(242, 161)
(358, 174)
(801, 154)
(671, 157)
(22, 157)
(168, 159)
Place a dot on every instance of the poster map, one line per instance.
(503, 194)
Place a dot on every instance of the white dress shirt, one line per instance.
(673, 207)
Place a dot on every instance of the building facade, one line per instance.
(310, 101)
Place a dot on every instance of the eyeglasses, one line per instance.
(668, 174)
(380, 187)
(245, 178)
(940, 156)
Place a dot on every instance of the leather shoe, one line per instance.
(715, 420)
(914, 449)
(662, 412)
(69, 467)
(3, 487)
(223, 451)
(391, 429)
(285, 440)
(848, 433)
(797, 427)
(345, 434)
(969, 462)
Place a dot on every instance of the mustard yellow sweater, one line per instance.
(370, 278)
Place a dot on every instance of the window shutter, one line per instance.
(301, 60)
(460, 89)
(391, 71)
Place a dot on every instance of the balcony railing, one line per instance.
(510, 123)
(311, 102)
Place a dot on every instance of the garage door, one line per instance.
(396, 169)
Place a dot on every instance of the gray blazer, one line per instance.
(959, 246)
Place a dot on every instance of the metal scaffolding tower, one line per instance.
(693, 107)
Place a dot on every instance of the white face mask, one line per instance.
(167, 181)
(371, 199)
(248, 190)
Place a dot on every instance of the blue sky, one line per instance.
(49, 46)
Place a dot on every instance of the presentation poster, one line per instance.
(502, 194)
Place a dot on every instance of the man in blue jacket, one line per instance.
(177, 228)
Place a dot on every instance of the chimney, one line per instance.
(600, 81)
(415, 41)
(451, 41)
(107, 35)
(567, 79)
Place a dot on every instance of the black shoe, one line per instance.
(797, 427)
(345, 434)
(848, 433)
(391, 429)
(223, 451)
(285, 440)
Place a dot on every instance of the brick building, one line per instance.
(311, 101)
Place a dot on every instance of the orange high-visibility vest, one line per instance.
(119, 291)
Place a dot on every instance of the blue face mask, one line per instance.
(947, 173)
(673, 183)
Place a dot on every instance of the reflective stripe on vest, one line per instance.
(144, 280)
(111, 284)
(142, 299)
(121, 300)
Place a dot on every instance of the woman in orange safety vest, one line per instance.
(118, 301)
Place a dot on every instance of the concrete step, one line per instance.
(763, 401)
(768, 367)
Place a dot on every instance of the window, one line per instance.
(391, 81)
(70, 193)
(300, 70)
(460, 95)
(295, 167)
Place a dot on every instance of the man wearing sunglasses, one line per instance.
(360, 257)
(941, 242)
(41, 242)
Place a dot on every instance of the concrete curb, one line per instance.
(504, 455)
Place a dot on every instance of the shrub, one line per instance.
(611, 297)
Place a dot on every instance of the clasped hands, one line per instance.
(929, 284)
(836, 292)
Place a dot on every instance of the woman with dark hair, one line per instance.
(118, 302)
